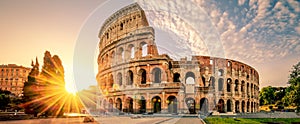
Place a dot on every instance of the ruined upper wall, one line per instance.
(122, 22)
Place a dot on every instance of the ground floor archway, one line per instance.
(129, 105)
(204, 105)
(221, 106)
(228, 104)
(156, 104)
(172, 104)
(237, 107)
(119, 104)
(142, 104)
(190, 102)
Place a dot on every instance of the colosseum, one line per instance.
(134, 78)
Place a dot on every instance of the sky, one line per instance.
(261, 33)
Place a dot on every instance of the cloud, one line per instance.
(241, 2)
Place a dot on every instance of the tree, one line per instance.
(267, 96)
(4, 99)
(30, 93)
(292, 96)
(52, 85)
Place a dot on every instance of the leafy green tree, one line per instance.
(267, 96)
(292, 96)
(4, 99)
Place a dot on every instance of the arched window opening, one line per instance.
(236, 85)
(132, 52)
(121, 53)
(243, 87)
(157, 75)
(247, 88)
(111, 81)
(176, 77)
(211, 61)
(228, 64)
(144, 49)
(129, 77)
(119, 79)
(229, 85)
(121, 26)
(190, 78)
(220, 83)
(112, 56)
(221, 72)
(143, 74)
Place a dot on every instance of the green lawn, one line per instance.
(215, 120)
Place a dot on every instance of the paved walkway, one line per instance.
(109, 120)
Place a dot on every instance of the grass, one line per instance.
(215, 120)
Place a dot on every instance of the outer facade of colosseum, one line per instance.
(135, 78)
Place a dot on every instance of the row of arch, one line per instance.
(231, 86)
(139, 105)
(122, 54)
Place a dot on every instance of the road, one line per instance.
(109, 120)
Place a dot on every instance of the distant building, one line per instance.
(13, 77)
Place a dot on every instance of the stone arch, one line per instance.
(236, 85)
(156, 104)
(229, 64)
(143, 76)
(204, 105)
(243, 106)
(176, 77)
(129, 105)
(221, 72)
(221, 106)
(156, 73)
(248, 106)
(119, 104)
(144, 48)
(130, 51)
(247, 90)
(110, 82)
(229, 104)
(112, 56)
(191, 104)
(119, 78)
(237, 106)
(220, 84)
(190, 78)
(129, 77)
(110, 105)
(142, 104)
(229, 82)
(121, 54)
(172, 104)
(243, 87)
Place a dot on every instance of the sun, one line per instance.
(70, 88)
